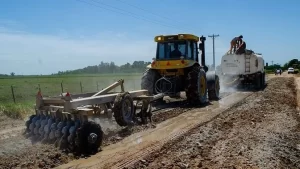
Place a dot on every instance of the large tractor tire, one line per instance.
(124, 109)
(149, 78)
(213, 85)
(196, 90)
(89, 138)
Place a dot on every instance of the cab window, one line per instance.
(171, 50)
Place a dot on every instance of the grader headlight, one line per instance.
(159, 38)
(181, 37)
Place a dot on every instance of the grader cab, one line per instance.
(177, 68)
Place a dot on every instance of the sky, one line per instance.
(44, 37)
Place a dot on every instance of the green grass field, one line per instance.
(25, 88)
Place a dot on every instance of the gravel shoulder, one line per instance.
(261, 132)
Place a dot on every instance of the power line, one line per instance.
(149, 12)
(213, 37)
(127, 12)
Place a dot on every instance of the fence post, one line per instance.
(97, 86)
(13, 93)
(114, 88)
(39, 88)
(62, 87)
(80, 86)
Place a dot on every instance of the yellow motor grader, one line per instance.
(177, 68)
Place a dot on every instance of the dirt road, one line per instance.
(140, 144)
(18, 152)
(240, 136)
(263, 132)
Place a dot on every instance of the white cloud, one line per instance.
(27, 53)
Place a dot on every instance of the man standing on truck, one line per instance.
(237, 41)
(241, 49)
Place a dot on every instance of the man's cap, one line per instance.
(241, 36)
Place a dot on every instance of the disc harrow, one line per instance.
(67, 120)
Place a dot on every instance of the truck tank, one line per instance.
(247, 68)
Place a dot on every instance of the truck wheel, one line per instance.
(196, 90)
(258, 80)
(213, 85)
(263, 80)
(89, 137)
(148, 80)
(124, 109)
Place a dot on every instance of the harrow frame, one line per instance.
(65, 119)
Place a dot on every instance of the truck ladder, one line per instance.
(247, 63)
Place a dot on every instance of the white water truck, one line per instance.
(243, 70)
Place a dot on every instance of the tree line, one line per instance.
(140, 66)
(294, 63)
(107, 68)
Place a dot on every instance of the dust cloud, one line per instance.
(226, 85)
(107, 125)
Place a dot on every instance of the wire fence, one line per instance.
(20, 93)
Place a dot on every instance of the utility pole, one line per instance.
(272, 62)
(213, 37)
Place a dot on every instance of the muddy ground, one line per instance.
(263, 131)
(18, 152)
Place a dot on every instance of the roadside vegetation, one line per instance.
(17, 92)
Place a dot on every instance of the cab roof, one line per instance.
(166, 38)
